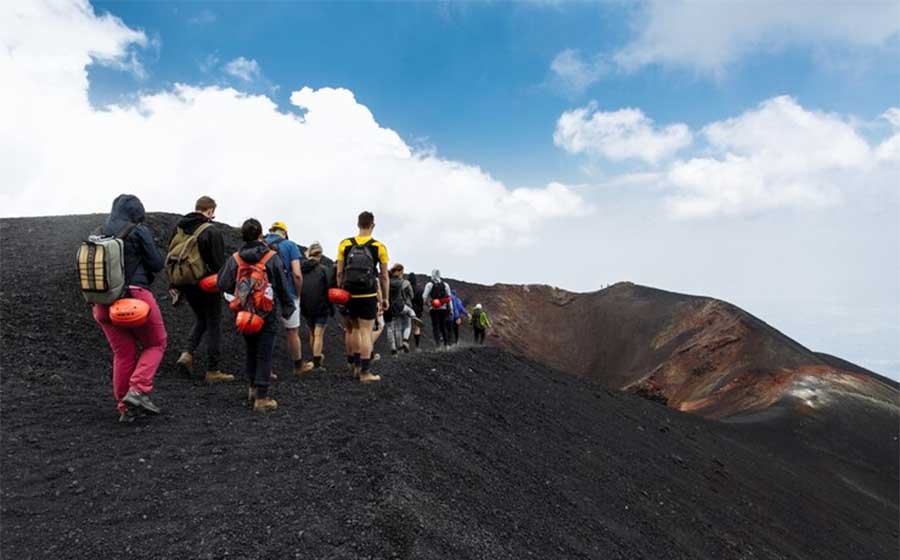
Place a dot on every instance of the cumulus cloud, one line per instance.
(618, 135)
(778, 155)
(315, 167)
(575, 74)
(243, 68)
(710, 35)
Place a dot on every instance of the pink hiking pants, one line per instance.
(132, 370)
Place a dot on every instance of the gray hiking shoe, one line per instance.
(128, 416)
(142, 400)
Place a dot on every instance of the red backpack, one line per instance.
(253, 292)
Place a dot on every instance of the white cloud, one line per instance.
(778, 155)
(889, 149)
(58, 154)
(574, 74)
(708, 35)
(243, 68)
(618, 135)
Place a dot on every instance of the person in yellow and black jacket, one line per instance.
(362, 270)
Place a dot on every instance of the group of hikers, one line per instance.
(269, 280)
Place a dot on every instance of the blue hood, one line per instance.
(126, 209)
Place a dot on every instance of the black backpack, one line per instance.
(359, 268)
(396, 292)
(438, 291)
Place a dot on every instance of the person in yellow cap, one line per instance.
(290, 255)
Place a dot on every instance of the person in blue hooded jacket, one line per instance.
(133, 370)
(457, 312)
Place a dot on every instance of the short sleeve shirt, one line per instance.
(289, 252)
(378, 245)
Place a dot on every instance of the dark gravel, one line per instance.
(474, 453)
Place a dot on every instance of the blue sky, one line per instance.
(747, 150)
(474, 79)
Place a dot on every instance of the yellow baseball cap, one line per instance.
(279, 225)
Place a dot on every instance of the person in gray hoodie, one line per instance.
(437, 291)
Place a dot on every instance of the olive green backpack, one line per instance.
(184, 265)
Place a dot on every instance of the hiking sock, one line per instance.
(417, 337)
(298, 363)
(317, 361)
(365, 365)
(350, 360)
(357, 359)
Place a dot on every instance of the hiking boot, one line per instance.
(251, 395)
(375, 357)
(218, 376)
(272, 376)
(128, 416)
(141, 400)
(185, 364)
(265, 404)
(406, 347)
(305, 368)
(368, 377)
(393, 351)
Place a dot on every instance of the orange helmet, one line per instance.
(129, 312)
(338, 296)
(248, 323)
(209, 283)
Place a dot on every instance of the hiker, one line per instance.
(291, 256)
(417, 306)
(314, 304)
(458, 311)
(362, 271)
(266, 294)
(133, 370)
(436, 290)
(196, 250)
(399, 315)
(480, 323)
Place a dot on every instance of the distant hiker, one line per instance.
(417, 306)
(399, 315)
(133, 370)
(314, 304)
(458, 311)
(290, 255)
(436, 296)
(269, 290)
(196, 250)
(362, 271)
(480, 323)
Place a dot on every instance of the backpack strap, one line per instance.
(126, 231)
(237, 258)
(269, 254)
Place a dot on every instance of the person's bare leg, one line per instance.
(293, 343)
(366, 343)
(318, 343)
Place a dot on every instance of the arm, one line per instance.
(425, 294)
(226, 278)
(152, 258)
(275, 268)
(215, 248)
(297, 276)
(407, 292)
(385, 288)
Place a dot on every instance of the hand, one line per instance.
(459, 321)
(385, 304)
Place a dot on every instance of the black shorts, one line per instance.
(363, 308)
(314, 321)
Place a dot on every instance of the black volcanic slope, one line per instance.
(474, 453)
